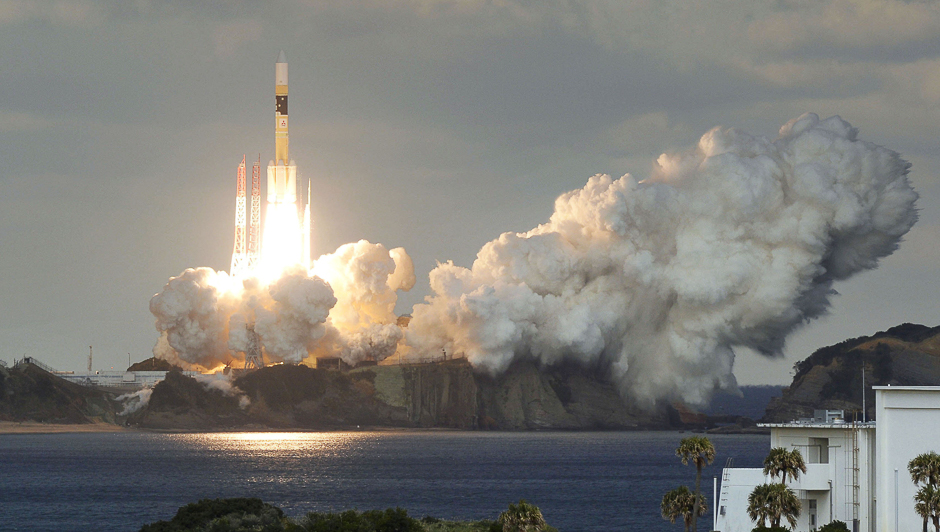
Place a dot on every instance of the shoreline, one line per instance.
(36, 427)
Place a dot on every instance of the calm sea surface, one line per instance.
(581, 481)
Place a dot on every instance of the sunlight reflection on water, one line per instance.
(278, 446)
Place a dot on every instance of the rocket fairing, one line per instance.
(282, 172)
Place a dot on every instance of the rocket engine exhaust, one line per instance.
(283, 243)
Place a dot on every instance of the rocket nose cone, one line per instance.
(282, 57)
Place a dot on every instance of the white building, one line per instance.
(120, 379)
(908, 425)
(855, 472)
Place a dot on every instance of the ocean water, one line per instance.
(581, 481)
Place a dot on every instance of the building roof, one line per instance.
(908, 388)
(811, 425)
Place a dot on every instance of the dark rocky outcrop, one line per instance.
(30, 393)
(152, 364)
(447, 394)
(180, 402)
(831, 378)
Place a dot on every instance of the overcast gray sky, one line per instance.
(432, 125)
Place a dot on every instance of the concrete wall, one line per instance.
(908, 425)
(736, 485)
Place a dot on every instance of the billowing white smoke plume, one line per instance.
(135, 401)
(223, 384)
(734, 243)
(365, 278)
(343, 307)
(132, 402)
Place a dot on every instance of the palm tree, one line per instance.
(522, 517)
(924, 468)
(784, 463)
(773, 502)
(701, 452)
(680, 503)
(927, 505)
(758, 505)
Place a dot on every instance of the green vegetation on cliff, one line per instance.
(831, 378)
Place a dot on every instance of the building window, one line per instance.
(818, 451)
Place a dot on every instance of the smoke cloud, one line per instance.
(343, 307)
(132, 402)
(735, 242)
(223, 384)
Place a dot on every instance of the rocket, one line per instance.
(282, 172)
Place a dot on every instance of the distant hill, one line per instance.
(831, 378)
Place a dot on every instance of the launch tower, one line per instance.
(247, 252)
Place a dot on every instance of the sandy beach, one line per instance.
(33, 427)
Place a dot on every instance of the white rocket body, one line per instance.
(282, 172)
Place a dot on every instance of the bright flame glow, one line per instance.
(282, 244)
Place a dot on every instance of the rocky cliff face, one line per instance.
(831, 377)
(447, 394)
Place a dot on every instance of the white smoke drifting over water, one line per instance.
(342, 307)
(733, 243)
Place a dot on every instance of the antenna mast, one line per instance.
(864, 409)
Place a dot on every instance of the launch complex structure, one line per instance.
(285, 240)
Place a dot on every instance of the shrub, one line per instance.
(835, 526)
(390, 520)
(223, 515)
(522, 517)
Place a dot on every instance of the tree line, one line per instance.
(242, 514)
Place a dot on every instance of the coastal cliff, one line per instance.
(447, 394)
(831, 378)
(450, 394)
